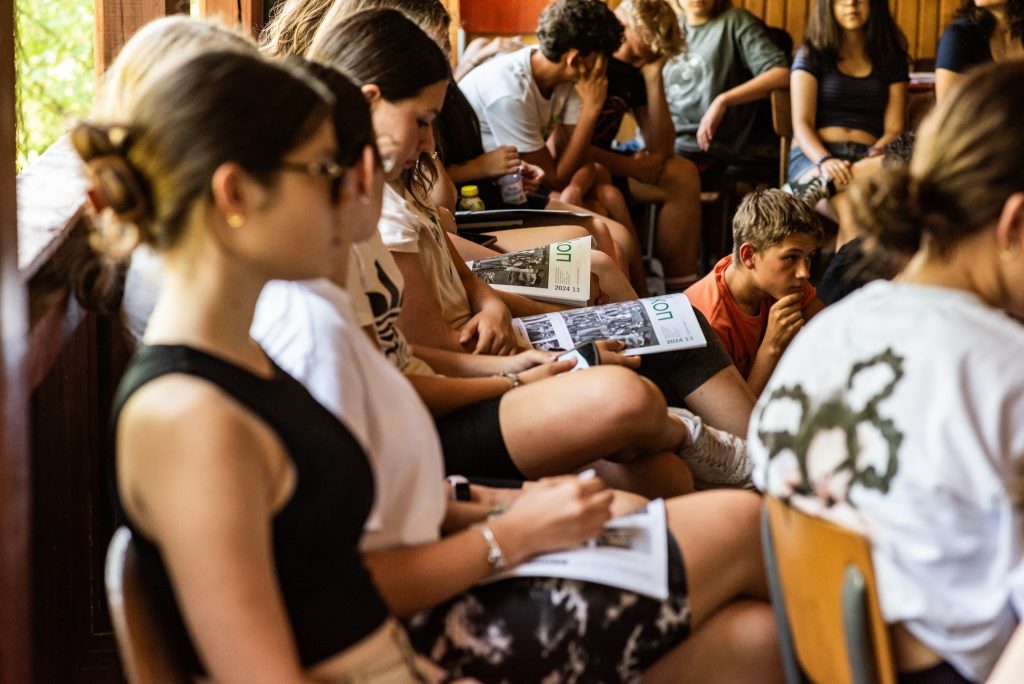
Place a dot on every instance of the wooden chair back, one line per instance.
(148, 653)
(782, 122)
(825, 599)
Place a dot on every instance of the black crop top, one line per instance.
(851, 101)
(329, 597)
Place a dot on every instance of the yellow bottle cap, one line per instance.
(469, 191)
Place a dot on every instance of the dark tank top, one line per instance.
(329, 597)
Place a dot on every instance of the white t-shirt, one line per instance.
(509, 104)
(310, 330)
(925, 385)
(141, 289)
(405, 227)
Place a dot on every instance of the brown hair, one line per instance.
(656, 23)
(97, 272)
(885, 43)
(964, 166)
(986, 21)
(767, 217)
(362, 47)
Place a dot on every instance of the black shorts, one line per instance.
(473, 444)
(678, 373)
(943, 673)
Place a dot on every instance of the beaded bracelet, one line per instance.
(512, 378)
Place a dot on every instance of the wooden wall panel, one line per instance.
(117, 20)
(501, 16)
(454, 11)
(921, 20)
(245, 13)
(15, 479)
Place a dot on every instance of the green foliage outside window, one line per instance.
(54, 60)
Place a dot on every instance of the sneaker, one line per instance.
(715, 457)
(812, 190)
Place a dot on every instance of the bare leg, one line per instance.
(622, 236)
(568, 421)
(471, 251)
(613, 281)
(666, 471)
(527, 238)
(738, 644)
(679, 218)
(615, 204)
(733, 629)
(724, 401)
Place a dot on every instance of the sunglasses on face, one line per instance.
(330, 170)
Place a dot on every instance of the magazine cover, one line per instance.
(558, 273)
(645, 326)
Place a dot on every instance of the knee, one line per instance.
(609, 195)
(632, 400)
(681, 175)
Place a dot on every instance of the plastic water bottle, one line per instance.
(469, 199)
(512, 191)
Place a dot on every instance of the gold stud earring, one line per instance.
(235, 219)
(1007, 254)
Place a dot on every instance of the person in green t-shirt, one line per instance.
(729, 63)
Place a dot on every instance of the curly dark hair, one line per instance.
(983, 19)
(585, 25)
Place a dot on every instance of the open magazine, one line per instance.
(631, 553)
(645, 326)
(498, 219)
(558, 273)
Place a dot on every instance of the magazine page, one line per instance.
(631, 553)
(494, 219)
(645, 326)
(558, 273)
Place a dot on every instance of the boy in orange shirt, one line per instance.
(758, 297)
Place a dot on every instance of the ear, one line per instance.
(572, 59)
(229, 186)
(1010, 226)
(363, 173)
(747, 252)
(371, 91)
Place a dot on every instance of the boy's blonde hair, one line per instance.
(767, 217)
(656, 23)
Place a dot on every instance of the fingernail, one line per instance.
(587, 474)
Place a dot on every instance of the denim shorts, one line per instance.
(799, 164)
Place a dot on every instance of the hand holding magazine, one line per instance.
(558, 273)
(631, 553)
(645, 326)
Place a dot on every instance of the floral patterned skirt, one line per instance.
(530, 629)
